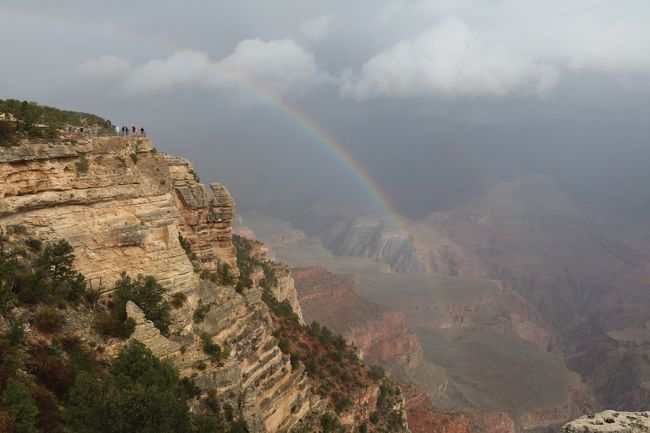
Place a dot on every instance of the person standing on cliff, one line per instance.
(142, 132)
(133, 129)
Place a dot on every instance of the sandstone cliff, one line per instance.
(124, 207)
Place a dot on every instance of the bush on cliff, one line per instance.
(21, 406)
(39, 121)
(137, 393)
(47, 277)
(147, 294)
(247, 263)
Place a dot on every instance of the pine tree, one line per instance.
(17, 401)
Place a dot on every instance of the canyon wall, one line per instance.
(380, 334)
(124, 207)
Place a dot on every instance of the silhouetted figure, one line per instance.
(133, 129)
(142, 132)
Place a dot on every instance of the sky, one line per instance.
(437, 99)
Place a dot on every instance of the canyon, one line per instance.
(523, 269)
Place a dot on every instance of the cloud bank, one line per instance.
(525, 51)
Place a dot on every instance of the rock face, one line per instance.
(207, 219)
(610, 421)
(110, 197)
(424, 418)
(122, 206)
(380, 334)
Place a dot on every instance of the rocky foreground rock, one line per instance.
(610, 421)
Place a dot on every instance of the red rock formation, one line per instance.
(424, 418)
(380, 334)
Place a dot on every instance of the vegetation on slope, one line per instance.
(39, 121)
(333, 366)
(55, 376)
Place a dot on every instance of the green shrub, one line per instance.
(47, 319)
(329, 423)
(19, 403)
(137, 394)
(17, 229)
(15, 335)
(178, 299)
(188, 248)
(147, 294)
(376, 372)
(283, 344)
(294, 359)
(112, 325)
(210, 348)
(34, 245)
(201, 311)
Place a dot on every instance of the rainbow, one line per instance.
(308, 125)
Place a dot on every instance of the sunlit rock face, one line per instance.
(110, 197)
(122, 206)
(207, 218)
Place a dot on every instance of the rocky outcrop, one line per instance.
(611, 422)
(206, 218)
(110, 197)
(147, 333)
(379, 333)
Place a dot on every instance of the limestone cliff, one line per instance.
(124, 207)
(110, 197)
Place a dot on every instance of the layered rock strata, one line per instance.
(122, 206)
(206, 218)
(379, 333)
(110, 197)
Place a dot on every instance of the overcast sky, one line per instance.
(436, 98)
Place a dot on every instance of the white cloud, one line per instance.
(317, 28)
(182, 69)
(447, 59)
(515, 48)
(280, 66)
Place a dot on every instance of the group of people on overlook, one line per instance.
(124, 130)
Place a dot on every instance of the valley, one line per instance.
(528, 299)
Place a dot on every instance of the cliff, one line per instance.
(124, 207)
(380, 334)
